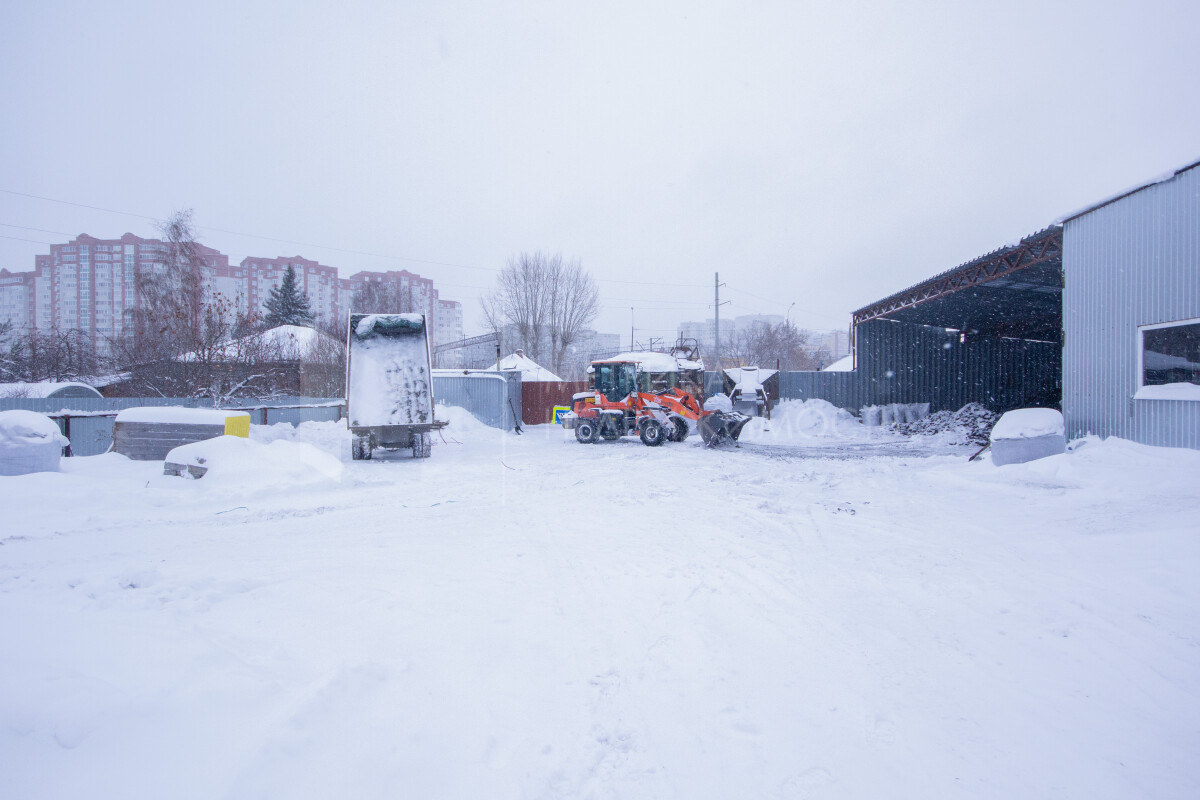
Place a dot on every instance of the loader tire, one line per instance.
(652, 434)
(681, 429)
(422, 445)
(586, 431)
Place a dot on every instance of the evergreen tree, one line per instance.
(287, 305)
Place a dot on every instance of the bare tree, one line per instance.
(54, 355)
(546, 301)
(766, 345)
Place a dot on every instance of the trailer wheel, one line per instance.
(360, 448)
(652, 434)
(585, 431)
(422, 445)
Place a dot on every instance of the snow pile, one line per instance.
(804, 419)
(971, 424)
(245, 464)
(462, 422)
(328, 436)
(843, 364)
(29, 442)
(1028, 423)
(718, 402)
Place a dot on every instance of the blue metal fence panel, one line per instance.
(843, 389)
(494, 398)
(1129, 263)
(88, 421)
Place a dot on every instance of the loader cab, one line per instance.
(616, 380)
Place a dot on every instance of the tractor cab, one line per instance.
(616, 380)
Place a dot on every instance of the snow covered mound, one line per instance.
(330, 437)
(1028, 423)
(804, 419)
(29, 442)
(971, 424)
(462, 422)
(236, 462)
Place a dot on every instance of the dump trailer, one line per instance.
(389, 384)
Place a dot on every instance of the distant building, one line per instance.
(448, 321)
(257, 276)
(89, 284)
(705, 333)
(16, 298)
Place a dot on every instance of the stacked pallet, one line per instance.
(148, 433)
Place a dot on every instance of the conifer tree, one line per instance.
(287, 305)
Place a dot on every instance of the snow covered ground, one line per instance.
(527, 617)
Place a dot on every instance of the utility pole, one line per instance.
(631, 329)
(717, 309)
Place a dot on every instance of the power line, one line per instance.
(333, 248)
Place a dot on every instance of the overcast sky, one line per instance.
(825, 155)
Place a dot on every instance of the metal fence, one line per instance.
(494, 398)
(88, 421)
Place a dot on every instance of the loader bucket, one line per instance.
(720, 427)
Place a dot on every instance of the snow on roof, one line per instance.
(749, 379)
(657, 362)
(843, 364)
(530, 370)
(1112, 198)
(178, 415)
(48, 389)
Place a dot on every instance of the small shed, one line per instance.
(48, 389)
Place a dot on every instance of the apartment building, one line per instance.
(16, 298)
(88, 284)
(256, 277)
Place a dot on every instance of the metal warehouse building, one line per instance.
(1131, 314)
(1099, 315)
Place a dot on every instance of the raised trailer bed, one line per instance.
(389, 384)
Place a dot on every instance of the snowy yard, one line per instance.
(527, 617)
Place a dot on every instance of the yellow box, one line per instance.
(238, 426)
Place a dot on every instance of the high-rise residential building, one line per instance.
(16, 298)
(448, 321)
(89, 284)
(258, 276)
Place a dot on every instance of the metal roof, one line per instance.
(1013, 291)
(1123, 194)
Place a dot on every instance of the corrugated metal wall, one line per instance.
(494, 398)
(1133, 262)
(92, 435)
(904, 363)
(843, 389)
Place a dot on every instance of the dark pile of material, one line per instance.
(971, 424)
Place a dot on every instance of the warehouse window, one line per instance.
(1169, 356)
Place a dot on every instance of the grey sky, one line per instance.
(826, 155)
